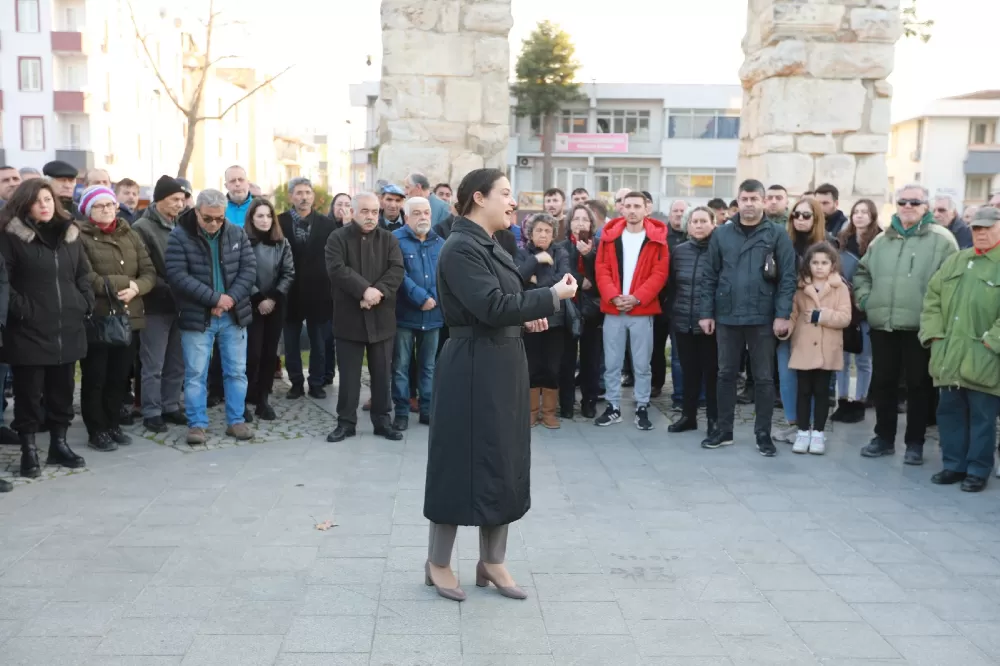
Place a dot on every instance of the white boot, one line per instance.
(817, 442)
(801, 444)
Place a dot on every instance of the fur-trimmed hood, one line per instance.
(27, 233)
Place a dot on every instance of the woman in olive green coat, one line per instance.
(120, 270)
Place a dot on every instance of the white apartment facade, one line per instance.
(674, 141)
(950, 147)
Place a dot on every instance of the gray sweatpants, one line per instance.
(162, 365)
(638, 331)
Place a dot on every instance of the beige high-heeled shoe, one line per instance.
(483, 578)
(452, 593)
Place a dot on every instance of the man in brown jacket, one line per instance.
(366, 268)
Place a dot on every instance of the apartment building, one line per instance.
(950, 147)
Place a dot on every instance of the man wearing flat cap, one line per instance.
(960, 322)
(63, 178)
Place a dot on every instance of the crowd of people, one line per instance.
(187, 303)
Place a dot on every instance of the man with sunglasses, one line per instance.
(889, 287)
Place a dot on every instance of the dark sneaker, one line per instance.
(401, 423)
(176, 417)
(946, 477)
(717, 439)
(914, 455)
(119, 437)
(609, 417)
(683, 424)
(317, 392)
(588, 410)
(265, 412)
(974, 484)
(389, 433)
(125, 415)
(155, 424)
(340, 433)
(295, 392)
(642, 421)
(878, 447)
(765, 446)
(100, 441)
(843, 407)
(566, 413)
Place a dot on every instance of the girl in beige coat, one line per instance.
(820, 311)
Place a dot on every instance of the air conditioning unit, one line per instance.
(524, 161)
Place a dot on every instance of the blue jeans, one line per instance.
(676, 372)
(426, 343)
(967, 424)
(318, 333)
(789, 382)
(197, 346)
(863, 363)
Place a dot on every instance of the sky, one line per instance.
(625, 41)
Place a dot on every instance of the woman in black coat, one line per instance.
(275, 273)
(582, 252)
(50, 296)
(697, 351)
(542, 263)
(479, 448)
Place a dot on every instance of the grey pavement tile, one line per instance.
(562, 560)
(233, 651)
(278, 558)
(34, 573)
(787, 650)
(407, 558)
(780, 577)
(937, 541)
(657, 604)
(743, 619)
(867, 588)
(134, 661)
(959, 605)
(766, 552)
(582, 617)
(675, 638)
(883, 552)
(268, 587)
(937, 650)
(327, 659)
(929, 576)
(411, 535)
(179, 602)
(814, 606)
(70, 547)
(507, 660)
(504, 635)
(330, 634)
(149, 637)
(595, 650)
(253, 618)
(720, 587)
(131, 560)
(21, 603)
(346, 571)
(9, 628)
(341, 600)
(414, 650)
(68, 619)
(424, 618)
(968, 563)
(38, 651)
(903, 620)
(119, 588)
(843, 640)
(985, 635)
(573, 587)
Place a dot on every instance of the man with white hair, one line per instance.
(889, 287)
(418, 316)
(417, 185)
(238, 187)
(365, 266)
(212, 269)
(945, 211)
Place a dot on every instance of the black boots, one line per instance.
(683, 424)
(30, 469)
(59, 452)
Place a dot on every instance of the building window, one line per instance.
(977, 188)
(27, 15)
(700, 183)
(633, 123)
(72, 19)
(75, 77)
(74, 142)
(612, 179)
(982, 132)
(32, 133)
(573, 122)
(703, 124)
(29, 74)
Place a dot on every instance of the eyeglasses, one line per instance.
(104, 206)
(902, 203)
(207, 219)
(802, 216)
(939, 210)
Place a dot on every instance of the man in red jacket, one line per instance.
(631, 269)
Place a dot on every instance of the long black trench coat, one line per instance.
(479, 457)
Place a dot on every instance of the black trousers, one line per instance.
(812, 397)
(732, 340)
(55, 383)
(658, 365)
(350, 356)
(897, 354)
(103, 373)
(699, 355)
(262, 353)
(590, 346)
(544, 351)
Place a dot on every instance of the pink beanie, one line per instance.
(92, 195)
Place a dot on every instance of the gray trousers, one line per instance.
(492, 544)
(162, 365)
(638, 332)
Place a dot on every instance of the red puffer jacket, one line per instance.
(650, 272)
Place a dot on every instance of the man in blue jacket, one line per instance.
(418, 316)
(211, 270)
(417, 185)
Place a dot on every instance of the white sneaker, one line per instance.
(787, 435)
(817, 442)
(802, 440)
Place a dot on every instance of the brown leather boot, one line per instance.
(536, 397)
(550, 402)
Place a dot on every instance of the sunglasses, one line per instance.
(207, 219)
(802, 216)
(902, 203)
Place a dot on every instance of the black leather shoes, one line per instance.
(340, 433)
(914, 455)
(265, 412)
(317, 392)
(30, 469)
(101, 441)
(389, 433)
(588, 410)
(878, 447)
(946, 477)
(176, 417)
(683, 424)
(119, 437)
(59, 451)
(155, 424)
(973, 484)
(401, 423)
(295, 392)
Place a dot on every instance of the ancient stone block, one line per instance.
(876, 25)
(871, 178)
(850, 60)
(836, 169)
(413, 97)
(463, 100)
(799, 105)
(411, 14)
(450, 16)
(797, 20)
(866, 143)
(793, 170)
(488, 17)
(424, 53)
(816, 144)
(487, 139)
(463, 163)
(496, 102)
(771, 143)
(396, 161)
(879, 119)
(883, 88)
(492, 55)
(786, 58)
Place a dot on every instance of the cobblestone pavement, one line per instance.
(640, 548)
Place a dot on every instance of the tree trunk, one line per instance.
(548, 139)
(192, 127)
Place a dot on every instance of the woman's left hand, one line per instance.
(126, 295)
(537, 326)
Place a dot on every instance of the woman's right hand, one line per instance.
(566, 287)
(544, 258)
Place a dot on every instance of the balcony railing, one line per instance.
(70, 101)
(68, 42)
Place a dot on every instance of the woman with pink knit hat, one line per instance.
(121, 272)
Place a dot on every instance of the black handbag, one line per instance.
(573, 320)
(113, 329)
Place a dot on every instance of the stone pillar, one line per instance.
(815, 101)
(445, 98)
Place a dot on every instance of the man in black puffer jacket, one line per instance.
(212, 270)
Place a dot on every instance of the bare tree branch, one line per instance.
(229, 108)
(152, 61)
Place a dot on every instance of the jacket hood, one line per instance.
(896, 224)
(154, 215)
(656, 232)
(26, 231)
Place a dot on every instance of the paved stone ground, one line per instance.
(641, 548)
